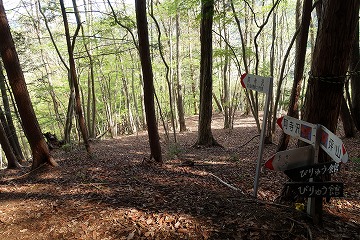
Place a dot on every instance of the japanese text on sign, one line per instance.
(300, 129)
(333, 145)
(318, 189)
(255, 82)
(315, 170)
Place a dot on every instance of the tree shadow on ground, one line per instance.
(118, 195)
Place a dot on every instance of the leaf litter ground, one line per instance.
(118, 195)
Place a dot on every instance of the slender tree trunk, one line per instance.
(144, 51)
(205, 137)
(192, 73)
(301, 45)
(47, 78)
(74, 79)
(179, 90)
(10, 156)
(10, 127)
(169, 75)
(346, 118)
(250, 100)
(130, 118)
(40, 150)
(69, 112)
(226, 98)
(70, 108)
(269, 133)
(92, 94)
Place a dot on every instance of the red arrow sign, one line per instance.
(292, 158)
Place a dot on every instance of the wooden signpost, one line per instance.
(264, 85)
(301, 164)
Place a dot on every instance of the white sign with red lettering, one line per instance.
(256, 83)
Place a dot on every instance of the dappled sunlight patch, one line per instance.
(204, 193)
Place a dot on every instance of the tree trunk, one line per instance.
(10, 156)
(355, 80)
(74, 79)
(144, 51)
(250, 100)
(301, 45)
(139, 123)
(69, 113)
(226, 80)
(39, 148)
(192, 72)
(179, 90)
(130, 118)
(346, 118)
(205, 137)
(330, 62)
(46, 79)
(269, 132)
(10, 127)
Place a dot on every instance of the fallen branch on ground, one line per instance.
(226, 184)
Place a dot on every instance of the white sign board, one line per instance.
(256, 83)
(333, 145)
(290, 159)
(264, 85)
(302, 130)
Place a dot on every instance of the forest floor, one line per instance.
(117, 195)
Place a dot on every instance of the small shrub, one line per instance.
(67, 147)
(173, 150)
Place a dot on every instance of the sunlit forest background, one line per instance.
(105, 46)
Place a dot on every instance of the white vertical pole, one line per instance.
(262, 136)
(310, 208)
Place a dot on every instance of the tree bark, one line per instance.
(355, 80)
(301, 45)
(144, 51)
(74, 79)
(192, 71)
(39, 148)
(205, 137)
(10, 156)
(330, 62)
(179, 86)
(346, 118)
(10, 127)
(169, 74)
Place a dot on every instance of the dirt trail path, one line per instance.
(116, 195)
